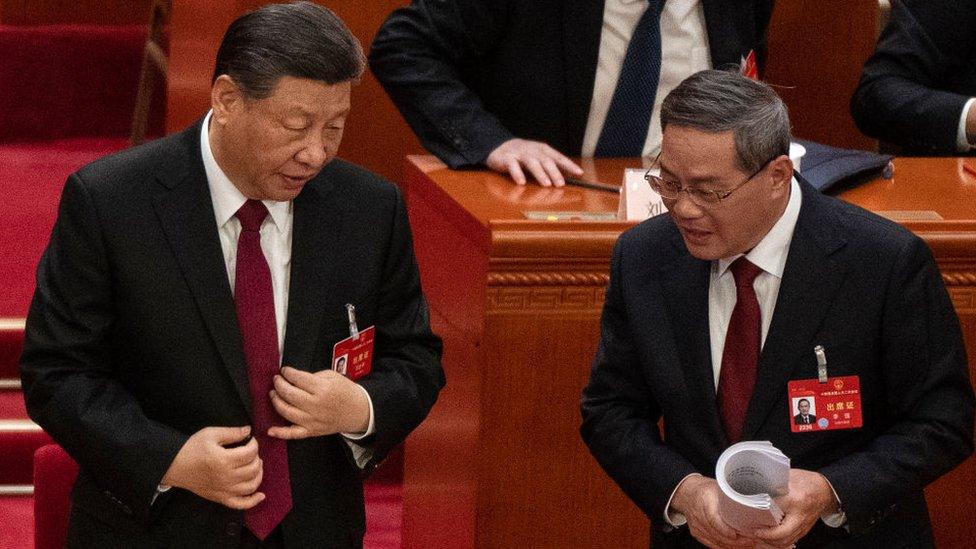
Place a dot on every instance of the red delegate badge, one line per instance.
(353, 357)
(816, 406)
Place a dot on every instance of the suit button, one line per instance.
(233, 529)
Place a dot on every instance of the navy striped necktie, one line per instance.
(625, 128)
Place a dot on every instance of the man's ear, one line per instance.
(781, 171)
(226, 99)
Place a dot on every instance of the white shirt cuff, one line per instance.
(674, 518)
(838, 519)
(963, 144)
(159, 490)
(361, 454)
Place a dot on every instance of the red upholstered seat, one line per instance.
(63, 81)
(17, 447)
(54, 474)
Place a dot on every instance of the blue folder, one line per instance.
(827, 167)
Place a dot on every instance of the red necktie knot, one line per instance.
(745, 272)
(252, 215)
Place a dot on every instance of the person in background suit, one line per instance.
(804, 417)
(179, 342)
(918, 89)
(520, 85)
(714, 308)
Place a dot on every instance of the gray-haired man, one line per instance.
(712, 318)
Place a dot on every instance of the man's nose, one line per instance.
(314, 153)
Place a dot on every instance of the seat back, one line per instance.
(54, 475)
(63, 81)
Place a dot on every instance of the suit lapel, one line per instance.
(185, 210)
(316, 255)
(582, 25)
(685, 283)
(810, 282)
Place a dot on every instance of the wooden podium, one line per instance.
(499, 463)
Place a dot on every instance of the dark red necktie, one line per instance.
(740, 358)
(254, 299)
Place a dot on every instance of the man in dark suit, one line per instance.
(804, 417)
(519, 85)
(917, 91)
(714, 309)
(182, 274)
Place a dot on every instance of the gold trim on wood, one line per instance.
(959, 278)
(546, 299)
(548, 279)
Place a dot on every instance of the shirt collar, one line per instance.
(770, 254)
(227, 198)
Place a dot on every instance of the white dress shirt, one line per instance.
(684, 51)
(769, 255)
(275, 243)
(962, 142)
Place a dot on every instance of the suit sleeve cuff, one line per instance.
(839, 518)
(371, 427)
(962, 143)
(362, 454)
(674, 518)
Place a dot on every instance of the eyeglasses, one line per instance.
(669, 190)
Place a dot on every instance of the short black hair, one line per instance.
(302, 40)
(802, 400)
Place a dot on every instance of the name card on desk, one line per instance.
(638, 201)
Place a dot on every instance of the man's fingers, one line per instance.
(567, 165)
(247, 472)
(515, 170)
(783, 535)
(249, 485)
(287, 411)
(291, 432)
(723, 530)
(538, 173)
(554, 174)
(724, 535)
(224, 436)
(300, 379)
(242, 503)
(242, 455)
(291, 394)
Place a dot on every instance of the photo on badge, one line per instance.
(340, 364)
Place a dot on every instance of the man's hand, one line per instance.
(323, 403)
(229, 476)
(697, 499)
(810, 498)
(545, 163)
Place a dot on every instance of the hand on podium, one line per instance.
(543, 162)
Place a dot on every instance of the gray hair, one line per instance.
(716, 101)
(302, 40)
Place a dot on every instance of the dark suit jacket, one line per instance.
(923, 71)
(861, 286)
(798, 419)
(132, 342)
(470, 74)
